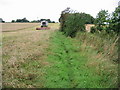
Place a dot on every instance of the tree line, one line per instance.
(71, 21)
(107, 22)
(2, 21)
(34, 21)
(25, 20)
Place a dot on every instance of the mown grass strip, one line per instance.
(70, 67)
(64, 71)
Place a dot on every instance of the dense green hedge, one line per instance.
(71, 23)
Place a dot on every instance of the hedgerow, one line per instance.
(72, 22)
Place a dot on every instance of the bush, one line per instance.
(93, 30)
(71, 22)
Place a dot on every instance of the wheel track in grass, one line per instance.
(65, 57)
(69, 66)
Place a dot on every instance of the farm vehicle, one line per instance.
(44, 26)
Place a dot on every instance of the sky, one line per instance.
(51, 9)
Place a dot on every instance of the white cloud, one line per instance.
(31, 9)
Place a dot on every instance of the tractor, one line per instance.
(44, 26)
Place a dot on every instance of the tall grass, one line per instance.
(102, 42)
(105, 48)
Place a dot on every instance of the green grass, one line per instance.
(71, 67)
(40, 59)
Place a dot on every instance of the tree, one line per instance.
(1, 20)
(42, 20)
(13, 21)
(52, 21)
(115, 20)
(18, 20)
(87, 18)
(49, 21)
(71, 22)
(102, 19)
(22, 20)
(35, 21)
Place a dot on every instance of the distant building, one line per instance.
(88, 27)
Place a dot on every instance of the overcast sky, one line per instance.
(51, 9)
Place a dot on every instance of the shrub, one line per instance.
(93, 30)
(71, 23)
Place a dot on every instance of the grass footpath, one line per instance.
(72, 67)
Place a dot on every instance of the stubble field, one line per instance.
(8, 27)
(22, 50)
